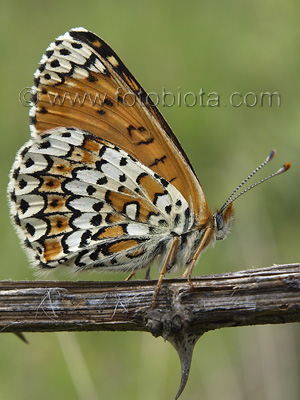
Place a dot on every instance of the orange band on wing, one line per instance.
(122, 245)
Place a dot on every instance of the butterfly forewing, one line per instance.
(82, 83)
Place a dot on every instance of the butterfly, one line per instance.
(104, 183)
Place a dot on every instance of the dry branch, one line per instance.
(261, 296)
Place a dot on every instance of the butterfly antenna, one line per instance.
(232, 198)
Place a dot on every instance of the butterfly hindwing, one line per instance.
(80, 200)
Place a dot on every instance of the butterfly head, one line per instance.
(223, 220)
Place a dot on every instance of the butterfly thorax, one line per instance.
(205, 230)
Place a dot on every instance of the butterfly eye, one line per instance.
(220, 226)
(223, 221)
(219, 221)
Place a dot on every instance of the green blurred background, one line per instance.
(222, 47)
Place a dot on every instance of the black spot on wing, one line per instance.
(13, 196)
(16, 173)
(96, 220)
(108, 102)
(54, 203)
(30, 229)
(148, 141)
(98, 206)
(45, 145)
(168, 209)
(29, 162)
(76, 45)
(91, 78)
(64, 52)
(48, 54)
(90, 190)
(158, 160)
(24, 205)
(22, 184)
(55, 64)
(34, 98)
(123, 161)
(102, 181)
(43, 110)
(130, 128)
(17, 220)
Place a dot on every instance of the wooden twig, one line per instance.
(261, 296)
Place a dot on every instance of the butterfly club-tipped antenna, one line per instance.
(235, 196)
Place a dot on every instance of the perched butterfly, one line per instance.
(104, 183)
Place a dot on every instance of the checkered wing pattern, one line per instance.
(84, 202)
(104, 181)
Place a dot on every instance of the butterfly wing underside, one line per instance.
(84, 202)
(103, 182)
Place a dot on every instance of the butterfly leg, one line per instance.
(132, 275)
(169, 261)
(147, 273)
(204, 242)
